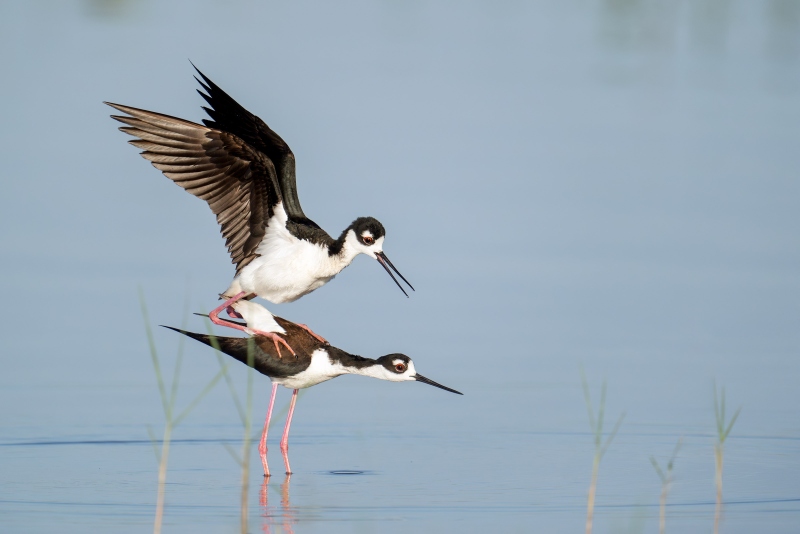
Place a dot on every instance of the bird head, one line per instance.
(400, 368)
(365, 236)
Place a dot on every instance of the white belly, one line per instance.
(287, 268)
(286, 278)
(320, 370)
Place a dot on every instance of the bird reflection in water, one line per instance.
(269, 517)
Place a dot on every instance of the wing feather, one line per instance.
(165, 150)
(147, 136)
(229, 116)
(236, 179)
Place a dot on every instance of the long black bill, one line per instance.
(419, 378)
(383, 260)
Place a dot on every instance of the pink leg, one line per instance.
(317, 336)
(214, 316)
(262, 445)
(285, 439)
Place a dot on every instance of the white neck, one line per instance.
(373, 371)
(382, 373)
(352, 248)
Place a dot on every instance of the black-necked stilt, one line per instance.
(313, 362)
(246, 174)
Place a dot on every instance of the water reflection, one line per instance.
(108, 9)
(783, 39)
(709, 25)
(270, 516)
(641, 25)
(659, 25)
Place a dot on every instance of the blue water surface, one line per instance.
(582, 184)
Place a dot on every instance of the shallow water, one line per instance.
(576, 184)
(419, 460)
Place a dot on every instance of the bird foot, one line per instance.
(275, 339)
(317, 336)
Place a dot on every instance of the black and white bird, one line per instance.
(313, 362)
(246, 174)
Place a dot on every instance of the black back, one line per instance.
(265, 357)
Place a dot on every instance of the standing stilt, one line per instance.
(306, 370)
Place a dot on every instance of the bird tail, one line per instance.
(199, 337)
(232, 346)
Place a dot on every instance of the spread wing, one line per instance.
(235, 178)
(228, 116)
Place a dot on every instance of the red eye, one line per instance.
(400, 367)
(369, 240)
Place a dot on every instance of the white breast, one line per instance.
(320, 370)
(287, 267)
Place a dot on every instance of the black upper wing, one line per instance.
(228, 116)
(237, 181)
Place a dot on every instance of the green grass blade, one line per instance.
(671, 462)
(154, 357)
(658, 469)
(233, 454)
(154, 442)
(600, 416)
(730, 426)
(222, 372)
(228, 379)
(612, 435)
(179, 360)
(588, 399)
(248, 422)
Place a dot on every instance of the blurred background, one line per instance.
(606, 184)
